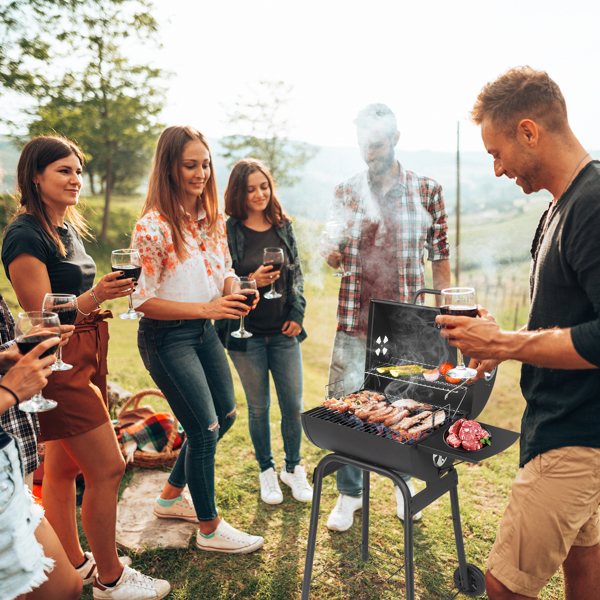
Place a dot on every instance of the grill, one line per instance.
(402, 334)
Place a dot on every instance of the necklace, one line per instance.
(573, 174)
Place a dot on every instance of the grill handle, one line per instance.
(425, 291)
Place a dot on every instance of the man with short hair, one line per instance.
(552, 517)
(391, 216)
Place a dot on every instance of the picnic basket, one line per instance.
(151, 460)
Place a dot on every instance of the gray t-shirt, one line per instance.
(565, 292)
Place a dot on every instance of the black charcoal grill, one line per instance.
(402, 334)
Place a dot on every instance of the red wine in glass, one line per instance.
(245, 287)
(250, 297)
(273, 257)
(31, 329)
(459, 302)
(130, 262)
(29, 342)
(129, 271)
(67, 315)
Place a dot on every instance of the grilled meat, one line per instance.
(436, 418)
(409, 422)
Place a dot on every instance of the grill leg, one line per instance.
(409, 568)
(312, 530)
(458, 536)
(365, 516)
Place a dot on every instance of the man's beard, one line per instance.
(380, 167)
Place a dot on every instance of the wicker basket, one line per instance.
(151, 460)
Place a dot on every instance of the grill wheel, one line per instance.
(476, 580)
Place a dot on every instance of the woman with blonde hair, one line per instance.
(186, 269)
(43, 253)
(256, 222)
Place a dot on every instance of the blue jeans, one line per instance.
(188, 363)
(348, 364)
(282, 356)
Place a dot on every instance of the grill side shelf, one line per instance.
(501, 440)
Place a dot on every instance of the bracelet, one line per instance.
(11, 392)
(99, 304)
(82, 313)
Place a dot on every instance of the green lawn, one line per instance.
(275, 572)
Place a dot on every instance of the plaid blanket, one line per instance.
(152, 433)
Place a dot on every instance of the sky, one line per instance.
(425, 59)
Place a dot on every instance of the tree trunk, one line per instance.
(107, 194)
(91, 178)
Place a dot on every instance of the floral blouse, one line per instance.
(199, 278)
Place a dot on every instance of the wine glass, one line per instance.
(65, 306)
(337, 234)
(130, 262)
(246, 287)
(460, 302)
(31, 329)
(273, 257)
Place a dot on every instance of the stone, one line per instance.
(117, 395)
(137, 527)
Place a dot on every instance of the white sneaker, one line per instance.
(301, 489)
(270, 492)
(180, 509)
(228, 539)
(132, 585)
(342, 516)
(400, 501)
(88, 569)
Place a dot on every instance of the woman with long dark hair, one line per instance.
(186, 282)
(256, 222)
(43, 253)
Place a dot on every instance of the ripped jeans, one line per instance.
(187, 362)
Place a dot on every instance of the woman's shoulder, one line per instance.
(152, 221)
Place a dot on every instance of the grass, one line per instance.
(275, 572)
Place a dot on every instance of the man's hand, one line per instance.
(330, 252)
(477, 338)
(483, 367)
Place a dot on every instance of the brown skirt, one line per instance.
(81, 392)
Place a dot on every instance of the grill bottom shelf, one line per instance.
(381, 577)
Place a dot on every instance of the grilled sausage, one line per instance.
(379, 416)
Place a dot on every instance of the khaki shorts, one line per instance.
(554, 505)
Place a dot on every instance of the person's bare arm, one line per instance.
(440, 270)
(226, 307)
(29, 277)
(482, 340)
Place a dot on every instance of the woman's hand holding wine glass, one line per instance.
(246, 287)
(265, 275)
(128, 264)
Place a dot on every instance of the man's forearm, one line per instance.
(440, 270)
(550, 348)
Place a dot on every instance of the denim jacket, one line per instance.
(295, 282)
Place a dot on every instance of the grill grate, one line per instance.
(439, 384)
(353, 422)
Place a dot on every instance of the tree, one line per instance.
(108, 105)
(266, 133)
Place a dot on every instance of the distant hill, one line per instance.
(481, 191)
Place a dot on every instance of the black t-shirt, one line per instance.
(71, 274)
(565, 292)
(268, 317)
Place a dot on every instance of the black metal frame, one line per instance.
(412, 505)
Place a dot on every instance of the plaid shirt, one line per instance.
(23, 426)
(421, 222)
